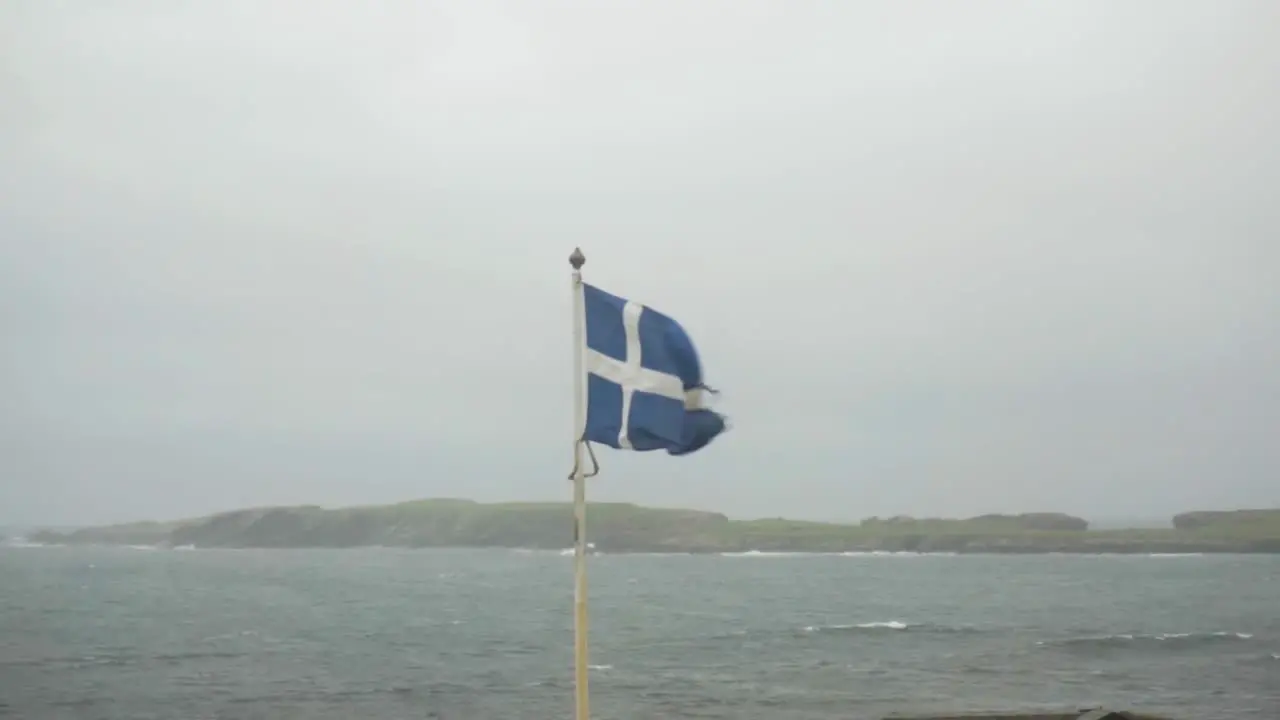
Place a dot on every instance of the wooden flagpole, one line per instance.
(580, 667)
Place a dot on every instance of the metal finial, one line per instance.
(577, 259)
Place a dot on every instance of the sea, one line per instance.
(371, 634)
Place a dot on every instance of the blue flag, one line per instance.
(644, 381)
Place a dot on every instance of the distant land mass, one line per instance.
(623, 527)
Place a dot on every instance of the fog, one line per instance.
(940, 259)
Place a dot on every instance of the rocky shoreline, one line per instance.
(1068, 715)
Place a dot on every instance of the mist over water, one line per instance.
(940, 261)
(109, 633)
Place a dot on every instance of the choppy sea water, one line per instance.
(380, 633)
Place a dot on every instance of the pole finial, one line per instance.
(577, 259)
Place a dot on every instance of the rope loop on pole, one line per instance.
(595, 464)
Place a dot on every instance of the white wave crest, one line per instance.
(882, 625)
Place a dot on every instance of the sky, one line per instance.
(941, 259)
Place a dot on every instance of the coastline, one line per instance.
(619, 528)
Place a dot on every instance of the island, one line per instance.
(627, 528)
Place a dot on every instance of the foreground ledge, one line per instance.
(1093, 714)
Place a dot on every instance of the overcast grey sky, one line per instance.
(941, 258)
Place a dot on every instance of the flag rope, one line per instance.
(595, 464)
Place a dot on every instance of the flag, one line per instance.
(644, 380)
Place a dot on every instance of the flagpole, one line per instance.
(581, 708)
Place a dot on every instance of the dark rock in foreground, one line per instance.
(1073, 715)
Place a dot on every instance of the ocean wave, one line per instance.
(850, 553)
(895, 553)
(1148, 640)
(568, 552)
(764, 553)
(877, 626)
(885, 625)
(663, 554)
(891, 626)
(21, 542)
(94, 659)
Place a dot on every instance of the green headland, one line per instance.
(621, 527)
